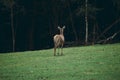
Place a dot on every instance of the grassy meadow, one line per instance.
(98, 62)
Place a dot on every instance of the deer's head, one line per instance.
(61, 29)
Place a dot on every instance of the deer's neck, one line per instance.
(61, 33)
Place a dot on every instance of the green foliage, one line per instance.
(8, 3)
(99, 62)
(117, 4)
(91, 10)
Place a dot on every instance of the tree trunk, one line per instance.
(31, 41)
(86, 20)
(13, 31)
(31, 28)
(55, 15)
(94, 34)
(72, 21)
(109, 27)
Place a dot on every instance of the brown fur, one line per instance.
(59, 40)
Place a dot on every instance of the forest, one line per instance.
(31, 24)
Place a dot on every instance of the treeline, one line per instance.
(31, 25)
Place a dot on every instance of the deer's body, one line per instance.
(59, 40)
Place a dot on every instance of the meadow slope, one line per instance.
(98, 62)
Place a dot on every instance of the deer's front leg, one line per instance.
(54, 51)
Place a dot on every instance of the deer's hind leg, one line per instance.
(58, 51)
(55, 51)
(62, 50)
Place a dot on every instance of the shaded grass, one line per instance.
(99, 62)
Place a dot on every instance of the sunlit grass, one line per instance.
(99, 62)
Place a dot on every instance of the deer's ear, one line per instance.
(63, 27)
(58, 27)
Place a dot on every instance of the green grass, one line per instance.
(99, 62)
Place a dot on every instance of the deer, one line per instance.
(59, 40)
